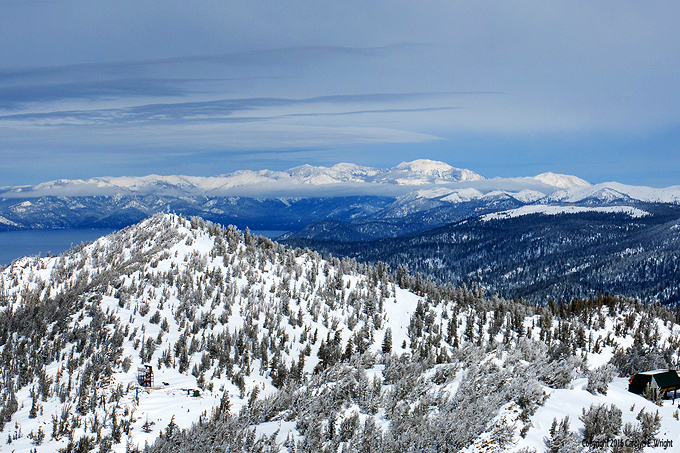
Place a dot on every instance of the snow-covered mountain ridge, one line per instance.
(419, 172)
(342, 178)
(556, 210)
(614, 191)
(409, 198)
(273, 349)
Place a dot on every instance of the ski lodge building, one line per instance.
(660, 381)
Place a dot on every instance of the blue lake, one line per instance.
(17, 244)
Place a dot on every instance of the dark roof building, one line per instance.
(658, 380)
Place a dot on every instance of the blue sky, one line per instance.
(111, 88)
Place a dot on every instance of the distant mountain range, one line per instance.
(373, 202)
(424, 209)
(350, 176)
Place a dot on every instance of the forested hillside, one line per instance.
(540, 257)
(258, 347)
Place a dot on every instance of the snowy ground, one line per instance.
(571, 402)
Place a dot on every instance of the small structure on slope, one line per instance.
(659, 381)
(145, 376)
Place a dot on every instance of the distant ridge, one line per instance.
(611, 191)
(361, 203)
(340, 177)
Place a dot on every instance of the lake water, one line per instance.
(17, 244)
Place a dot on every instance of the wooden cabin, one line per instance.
(145, 376)
(660, 381)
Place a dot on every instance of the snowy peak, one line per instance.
(342, 172)
(436, 169)
(463, 195)
(561, 181)
(610, 192)
(528, 196)
(599, 195)
(209, 308)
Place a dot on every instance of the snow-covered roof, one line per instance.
(654, 372)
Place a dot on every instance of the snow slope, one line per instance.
(562, 181)
(611, 191)
(172, 397)
(570, 402)
(555, 210)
